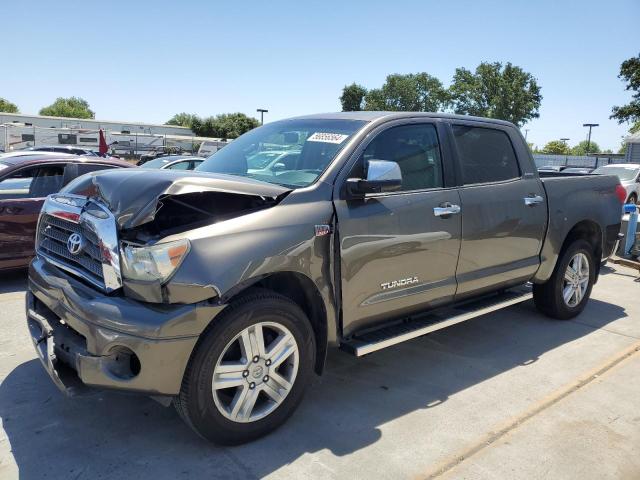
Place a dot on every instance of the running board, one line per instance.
(407, 329)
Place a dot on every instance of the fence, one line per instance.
(591, 161)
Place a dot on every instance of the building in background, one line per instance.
(633, 148)
(91, 124)
(128, 139)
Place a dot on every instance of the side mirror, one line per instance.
(382, 176)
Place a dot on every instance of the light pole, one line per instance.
(590, 125)
(526, 132)
(262, 112)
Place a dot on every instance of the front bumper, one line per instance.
(83, 336)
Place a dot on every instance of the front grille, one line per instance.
(53, 234)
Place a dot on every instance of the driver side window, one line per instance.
(415, 149)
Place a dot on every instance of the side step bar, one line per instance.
(407, 329)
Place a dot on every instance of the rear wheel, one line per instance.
(249, 371)
(566, 293)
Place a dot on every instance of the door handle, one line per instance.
(446, 209)
(533, 200)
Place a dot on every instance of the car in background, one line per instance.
(582, 170)
(552, 168)
(273, 160)
(73, 150)
(629, 175)
(25, 182)
(174, 162)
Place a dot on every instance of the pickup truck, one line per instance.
(221, 290)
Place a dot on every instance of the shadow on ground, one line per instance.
(13, 281)
(108, 435)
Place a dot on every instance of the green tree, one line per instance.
(226, 125)
(630, 73)
(581, 148)
(182, 119)
(413, 92)
(7, 107)
(72, 107)
(556, 147)
(352, 97)
(508, 93)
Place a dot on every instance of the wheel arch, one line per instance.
(591, 232)
(301, 290)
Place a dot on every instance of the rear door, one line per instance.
(397, 256)
(22, 194)
(504, 208)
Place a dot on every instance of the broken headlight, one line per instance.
(153, 263)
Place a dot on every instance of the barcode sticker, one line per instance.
(327, 137)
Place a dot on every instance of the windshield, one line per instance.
(624, 173)
(292, 153)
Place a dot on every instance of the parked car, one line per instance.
(73, 150)
(629, 175)
(25, 181)
(582, 170)
(552, 168)
(174, 162)
(221, 290)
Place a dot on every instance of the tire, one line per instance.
(549, 296)
(633, 198)
(215, 411)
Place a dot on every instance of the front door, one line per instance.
(397, 256)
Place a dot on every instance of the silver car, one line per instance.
(629, 175)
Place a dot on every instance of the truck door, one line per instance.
(504, 208)
(399, 250)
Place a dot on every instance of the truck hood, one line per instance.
(135, 195)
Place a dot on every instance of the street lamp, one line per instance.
(262, 112)
(590, 125)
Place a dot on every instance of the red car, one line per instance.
(25, 181)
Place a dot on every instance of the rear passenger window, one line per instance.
(486, 155)
(416, 151)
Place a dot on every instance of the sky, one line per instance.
(147, 60)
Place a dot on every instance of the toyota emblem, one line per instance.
(75, 243)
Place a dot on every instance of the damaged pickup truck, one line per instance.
(221, 290)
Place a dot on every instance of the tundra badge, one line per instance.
(399, 283)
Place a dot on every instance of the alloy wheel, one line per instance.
(255, 372)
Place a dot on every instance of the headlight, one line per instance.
(157, 262)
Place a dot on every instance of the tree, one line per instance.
(556, 147)
(413, 92)
(352, 97)
(226, 125)
(581, 148)
(507, 93)
(72, 107)
(7, 107)
(630, 72)
(182, 119)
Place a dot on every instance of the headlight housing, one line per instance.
(153, 263)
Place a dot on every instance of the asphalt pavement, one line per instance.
(511, 394)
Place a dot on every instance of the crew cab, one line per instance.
(220, 290)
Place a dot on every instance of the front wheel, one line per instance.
(249, 371)
(566, 293)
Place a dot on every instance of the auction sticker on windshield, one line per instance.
(327, 137)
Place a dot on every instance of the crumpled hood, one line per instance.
(132, 195)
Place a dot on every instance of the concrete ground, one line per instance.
(508, 395)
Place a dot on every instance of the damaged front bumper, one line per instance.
(84, 337)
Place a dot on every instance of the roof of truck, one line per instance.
(370, 116)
